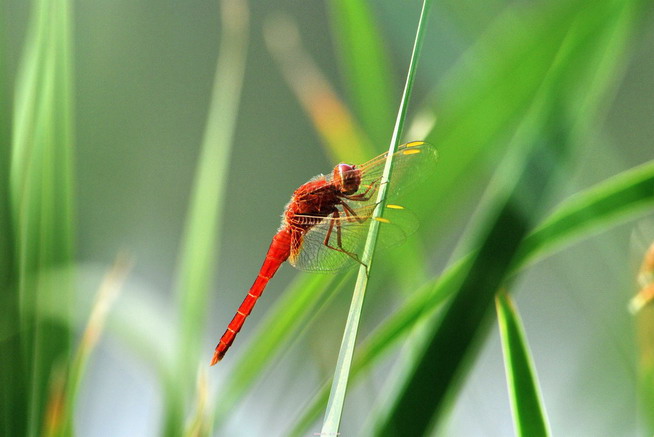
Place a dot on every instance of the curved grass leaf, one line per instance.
(528, 413)
(614, 200)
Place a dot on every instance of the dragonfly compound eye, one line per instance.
(347, 178)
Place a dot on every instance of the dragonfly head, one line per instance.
(346, 178)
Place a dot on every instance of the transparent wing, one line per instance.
(412, 163)
(321, 249)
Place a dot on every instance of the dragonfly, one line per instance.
(325, 223)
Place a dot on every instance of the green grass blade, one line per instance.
(615, 200)
(333, 414)
(365, 65)
(528, 412)
(41, 201)
(199, 251)
(599, 208)
(12, 379)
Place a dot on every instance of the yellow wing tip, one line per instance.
(392, 206)
(382, 220)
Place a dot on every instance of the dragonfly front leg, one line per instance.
(339, 242)
(362, 197)
(350, 214)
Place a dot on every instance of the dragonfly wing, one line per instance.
(412, 164)
(320, 249)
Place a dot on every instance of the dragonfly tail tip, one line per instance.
(216, 358)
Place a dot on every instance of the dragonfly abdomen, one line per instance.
(278, 252)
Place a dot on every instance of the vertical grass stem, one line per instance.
(334, 410)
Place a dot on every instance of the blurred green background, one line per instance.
(142, 78)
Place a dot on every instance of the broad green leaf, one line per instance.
(528, 412)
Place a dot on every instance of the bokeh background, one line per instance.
(142, 76)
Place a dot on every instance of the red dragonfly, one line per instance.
(325, 223)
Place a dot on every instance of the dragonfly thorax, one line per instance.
(346, 178)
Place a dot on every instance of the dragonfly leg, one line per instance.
(339, 242)
(362, 197)
(350, 214)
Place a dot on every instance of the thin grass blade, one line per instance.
(526, 400)
(200, 423)
(204, 217)
(334, 411)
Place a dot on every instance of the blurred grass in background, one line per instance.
(553, 98)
